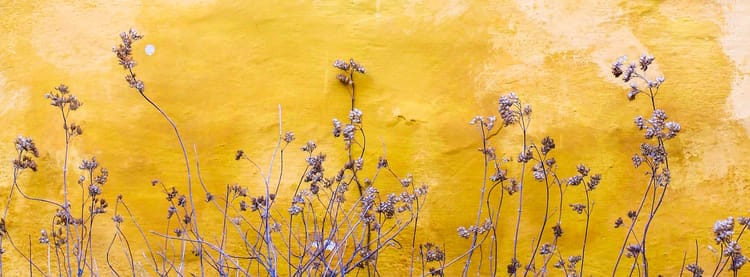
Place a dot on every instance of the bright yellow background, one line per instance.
(222, 67)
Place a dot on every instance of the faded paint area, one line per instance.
(735, 40)
(221, 68)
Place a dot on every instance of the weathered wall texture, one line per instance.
(222, 67)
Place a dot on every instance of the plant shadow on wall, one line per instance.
(340, 219)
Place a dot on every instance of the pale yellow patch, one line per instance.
(438, 14)
(734, 41)
(189, 3)
(77, 36)
(14, 99)
(579, 26)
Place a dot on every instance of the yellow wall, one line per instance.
(221, 68)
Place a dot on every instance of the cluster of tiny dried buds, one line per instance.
(288, 137)
(481, 229)
(63, 99)
(487, 122)
(124, 53)
(547, 249)
(348, 131)
(583, 171)
(64, 218)
(570, 267)
(695, 269)
(346, 77)
(66, 102)
(97, 181)
(724, 231)
(298, 203)
(511, 110)
(630, 73)
(633, 250)
(433, 253)
(513, 266)
(24, 146)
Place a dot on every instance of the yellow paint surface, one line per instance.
(220, 68)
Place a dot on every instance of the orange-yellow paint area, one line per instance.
(222, 68)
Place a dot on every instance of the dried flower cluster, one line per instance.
(124, 53)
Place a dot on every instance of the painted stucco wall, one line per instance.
(221, 68)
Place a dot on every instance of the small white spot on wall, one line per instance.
(150, 49)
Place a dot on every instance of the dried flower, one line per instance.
(89, 164)
(463, 232)
(664, 178)
(359, 68)
(645, 61)
(75, 130)
(348, 134)
(309, 147)
(575, 180)
(341, 65)
(382, 163)
(633, 250)
(506, 105)
(525, 156)
(737, 262)
(407, 181)
(547, 145)
(629, 72)
(513, 187)
(433, 253)
(582, 169)
(539, 172)
(44, 239)
(24, 162)
(672, 129)
(637, 160)
(616, 70)
(288, 137)
(344, 79)
(634, 90)
(527, 110)
(124, 51)
(594, 181)
(546, 249)
(578, 207)
(695, 269)
(489, 123)
(171, 211)
(499, 175)
(513, 266)
(355, 115)
(94, 190)
(640, 123)
(632, 215)
(618, 222)
(336, 127)
(26, 144)
(723, 230)
(239, 155)
(557, 230)
(181, 201)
